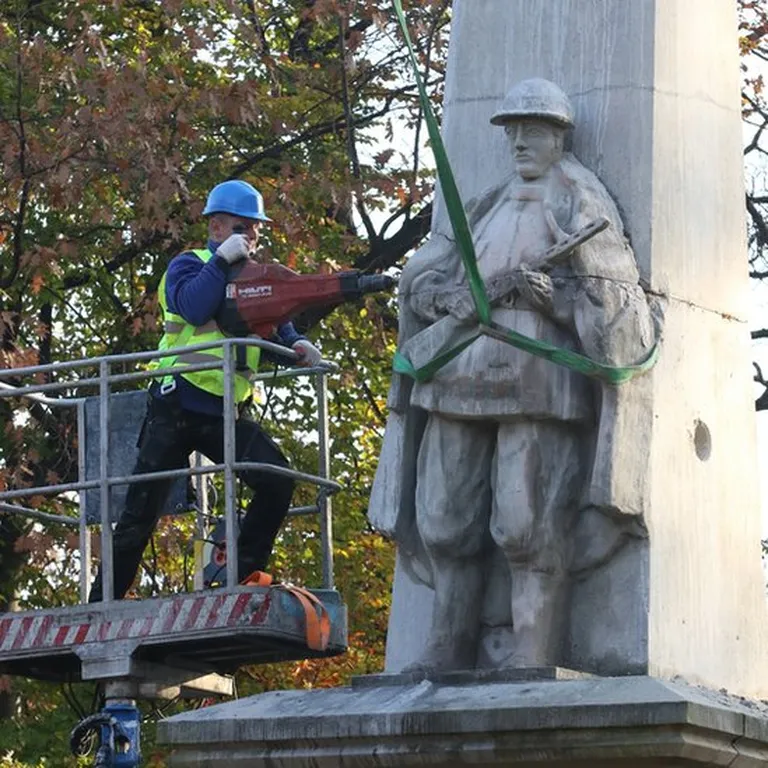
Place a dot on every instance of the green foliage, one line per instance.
(38, 735)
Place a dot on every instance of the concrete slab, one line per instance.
(628, 721)
(507, 675)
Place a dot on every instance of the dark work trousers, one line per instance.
(169, 434)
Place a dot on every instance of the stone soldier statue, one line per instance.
(504, 459)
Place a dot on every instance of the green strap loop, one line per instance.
(611, 374)
(401, 364)
(567, 358)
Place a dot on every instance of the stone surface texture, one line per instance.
(618, 722)
(654, 85)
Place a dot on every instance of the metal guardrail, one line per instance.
(229, 467)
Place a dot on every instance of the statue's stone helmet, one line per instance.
(535, 97)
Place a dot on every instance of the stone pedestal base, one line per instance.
(521, 718)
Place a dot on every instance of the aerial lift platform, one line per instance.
(213, 632)
(190, 644)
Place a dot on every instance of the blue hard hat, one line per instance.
(238, 198)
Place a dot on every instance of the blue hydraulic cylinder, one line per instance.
(123, 734)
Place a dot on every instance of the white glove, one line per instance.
(309, 354)
(234, 248)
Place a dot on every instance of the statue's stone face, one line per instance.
(536, 145)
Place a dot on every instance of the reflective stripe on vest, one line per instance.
(180, 333)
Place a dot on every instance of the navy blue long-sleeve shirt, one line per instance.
(194, 290)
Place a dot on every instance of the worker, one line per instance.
(185, 409)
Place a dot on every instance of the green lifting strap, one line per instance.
(401, 364)
(565, 357)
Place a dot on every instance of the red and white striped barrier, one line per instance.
(183, 614)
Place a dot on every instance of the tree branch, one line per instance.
(761, 228)
(382, 254)
(257, 27)
(761, 404)
(17, 249)
(351, 145)
(387, 253)
(80, 278)
(334, 125)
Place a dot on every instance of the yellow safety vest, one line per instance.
(180, 333)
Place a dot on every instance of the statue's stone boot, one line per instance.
(453, 638)
(539, 617)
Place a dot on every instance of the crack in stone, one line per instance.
(649, 291)
(694, 305)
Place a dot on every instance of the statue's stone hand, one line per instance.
(536, 288)
(425, 297)
(461, 306)
(434, 303)
(425, 305)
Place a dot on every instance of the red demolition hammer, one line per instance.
(259, 297)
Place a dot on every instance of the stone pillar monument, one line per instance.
(661, 654)
(655, 89)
